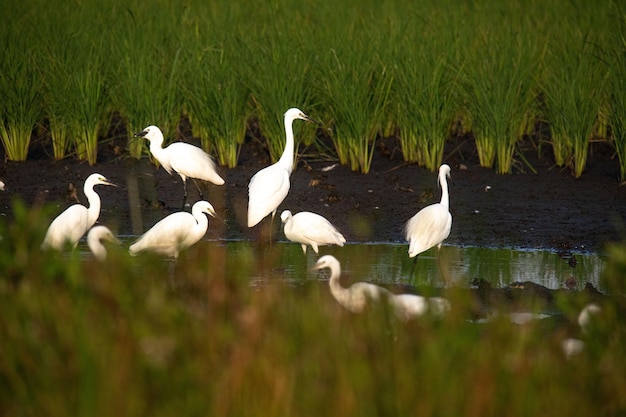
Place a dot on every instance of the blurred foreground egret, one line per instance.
(74, 222)
(572, 346)
(175, 232)
(431, 225)
(96, 236)
(186, 160)
(312, 229)
(354, 298)
(408, 306)
(269, 186)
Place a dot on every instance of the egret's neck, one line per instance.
(202, 222)
(340, 293)
(93, 211)
(445, 197)
(286, 160)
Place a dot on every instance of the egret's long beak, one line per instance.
(141, 134)
(107, 182)
(308, 119)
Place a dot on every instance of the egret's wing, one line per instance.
(67, 227)
(429, 227)
(316, 228)
(267, 189)
(193, 162)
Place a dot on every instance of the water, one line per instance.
(389, 264)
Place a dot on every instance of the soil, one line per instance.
(549, 209)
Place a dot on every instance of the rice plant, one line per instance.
(217, 101)
(424, 95)
(500, 94)
(355, 90)
(574, 86)
(21, 85)
(147, 87)
(279, 78)
(616, 56)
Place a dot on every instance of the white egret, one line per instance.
(96, 236)
(269, 186)
(408, 306)
(74, 222)
(354, 298)
(312, 229)
(186, 160)
(572, 346)
(175, 232)
(431, 225)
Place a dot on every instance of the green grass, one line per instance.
(365, 70)
(137, 336)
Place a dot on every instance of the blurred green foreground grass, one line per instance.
(138, 336)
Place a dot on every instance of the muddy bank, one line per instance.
(549, 209)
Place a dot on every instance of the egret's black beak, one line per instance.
(141, 134)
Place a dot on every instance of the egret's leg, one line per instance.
(185, 196)
(413, 266)
(198, 188)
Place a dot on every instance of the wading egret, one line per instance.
(354, 298)
(95, 238)
(269, 186)
(73, 223)
(431, 225)
(186, 160)
(312, 229)
(175, 232)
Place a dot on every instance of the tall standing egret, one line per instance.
(73, 223)
(175, 232)
(186, 160)
(96, 236)
(354, 298)
(269, 186)
(431, 225)
(312, 229)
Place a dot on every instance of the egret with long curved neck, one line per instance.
(73, 223)
(269, 187)
(175, 232)
(186, 160)
(354, 298)
(431, 225)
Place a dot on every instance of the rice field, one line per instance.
(424, 73)
(218, 335)
(254, 332)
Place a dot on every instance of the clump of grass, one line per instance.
(500, 94)
(424, 99)
(617, 82)
(574, 86)
(355, 90)
(147, 86)
(278, 73)
(21, 85)
(217, 101)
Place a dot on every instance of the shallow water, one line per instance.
(389, 264)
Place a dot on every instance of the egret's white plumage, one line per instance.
(269, 186)
(409, 306)
(186, 160)
(572, 346)
(175, 232)
(431, 225)
(312, 229)
(73, 223)
(96, 236)
(354, 298)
